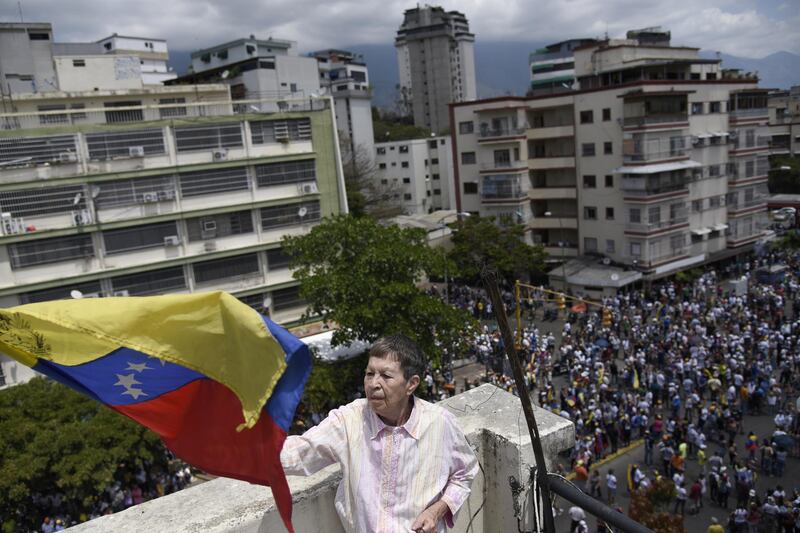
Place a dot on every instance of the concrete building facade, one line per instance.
(153, 55)
(418, 173)
(552, 68)
(160, 190)
(26, 59)
(656, 163)
(784, 121)
(436, 61)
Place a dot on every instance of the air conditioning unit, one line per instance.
(219, 155)
(81, 217)
(12, 225)
(209, 225)
(67, 157)
(121, 293)
(308, 188)
(172, 240)
(136, 151)
(149, 197)
(210, 246)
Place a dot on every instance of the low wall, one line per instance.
(491, 418)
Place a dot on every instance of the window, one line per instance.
(277, 259)
(713, 202)
(46, 251)
(78, 62)
(272, 131)
(636, 249)
(635, 215)
(208, 137)
(289, 215)
(654, 215)
(288, 298)
(407, 197)
(432, 145)
(123, 144)
(610, 246)
(697, 108)
(609, 180)
(384, 182)
(749, 168)
(406, 180)
(608, 148)
(466, 127)
(59, 293)
(382, 165)
(589, 213)
(437, 191)
(286, 172)
(589, 244)
(227, 267)
(50, 117)
(467, 158)
(750, 138)
(587, 117)
(435, 177)
(404, 164)
(606, 114)
(220, 225)
(124, 115)
(214, 181)
(435, 161)
(138, 237)
(403, 149)
(697, 206)
(470, 188)
(589, 182)
(381, 150)
(39, 36)
(715, 107)
(42, 200)
(152, 282)
(609, 213)
(587, 149)
(711, 75)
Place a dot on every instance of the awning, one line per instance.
(705, 135)
(660, 167)
(720, 134)
(701, 231)
(720, 227)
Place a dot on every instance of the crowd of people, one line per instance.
(145, 482)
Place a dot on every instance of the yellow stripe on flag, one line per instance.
(212, 333)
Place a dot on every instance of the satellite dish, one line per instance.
(225, 74)
(302, 212)
(76, 294)
(614, 277)
(606, 261)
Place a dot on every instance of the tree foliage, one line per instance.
(790, 241)
(364, 278)
(54, 439)
(478, 242)
(784, 178)
(388, 126)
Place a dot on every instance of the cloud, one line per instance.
(741, 27)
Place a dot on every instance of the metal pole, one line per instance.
(490, 282)
(594, 507)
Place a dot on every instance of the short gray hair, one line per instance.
(402, 349)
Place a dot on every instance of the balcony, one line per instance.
(744, 114)
(550, 132)
(641, 154)
(552, 193)
(224, 505)
(557, 252)
(551, 162)
(638, 227)
(488, 166)
(497, 133)
(502, 188)
(758, 200)
(645, 187)
(656, 120)
(555, 221)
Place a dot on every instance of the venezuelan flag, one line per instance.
(218, 382)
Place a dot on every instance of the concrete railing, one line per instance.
(491, 418)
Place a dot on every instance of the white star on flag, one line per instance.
(141, 367)
(127, 381)
(135, 393)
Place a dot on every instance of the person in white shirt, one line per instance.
(611, 485)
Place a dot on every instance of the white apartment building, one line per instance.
(552, 67)
(345, 77)
(160, 190)
(153, 55)
(658, 162)
(256, 69)
(26, 59)
(784, 121)
(418, 173)
(436, 62)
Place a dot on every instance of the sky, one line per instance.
(747, 28)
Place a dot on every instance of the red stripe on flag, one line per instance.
(198, 423)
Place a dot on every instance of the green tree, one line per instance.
(388, 126)
(790, 241)
(479, 242)
(364, 278)
(784, 176)
(54, 439)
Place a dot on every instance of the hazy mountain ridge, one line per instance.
(502, 68)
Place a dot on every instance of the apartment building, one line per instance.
(256, 69)
(657, 162)
(784, 121)
(160, 190)
(153, 55)
(416, 173)
(552, 67)
(436, 62)
(345, 76)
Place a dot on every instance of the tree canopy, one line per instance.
(364, 278)
(479, 242)
(53, 439)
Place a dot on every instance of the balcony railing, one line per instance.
(639, 156)
(492, 165)
(744, 204)
(656, 119)
(654, 226)
(745, 113)
(501, 132)
(644, 188)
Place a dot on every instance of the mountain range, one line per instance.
(502, 68)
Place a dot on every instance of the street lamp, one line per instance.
(440, 224)
(561, 243)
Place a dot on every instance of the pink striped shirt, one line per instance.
(389, 474)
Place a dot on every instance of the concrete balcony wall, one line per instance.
(490, 417)
(551, 132)
(550, 193)
(553, 223)
(544, 163)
